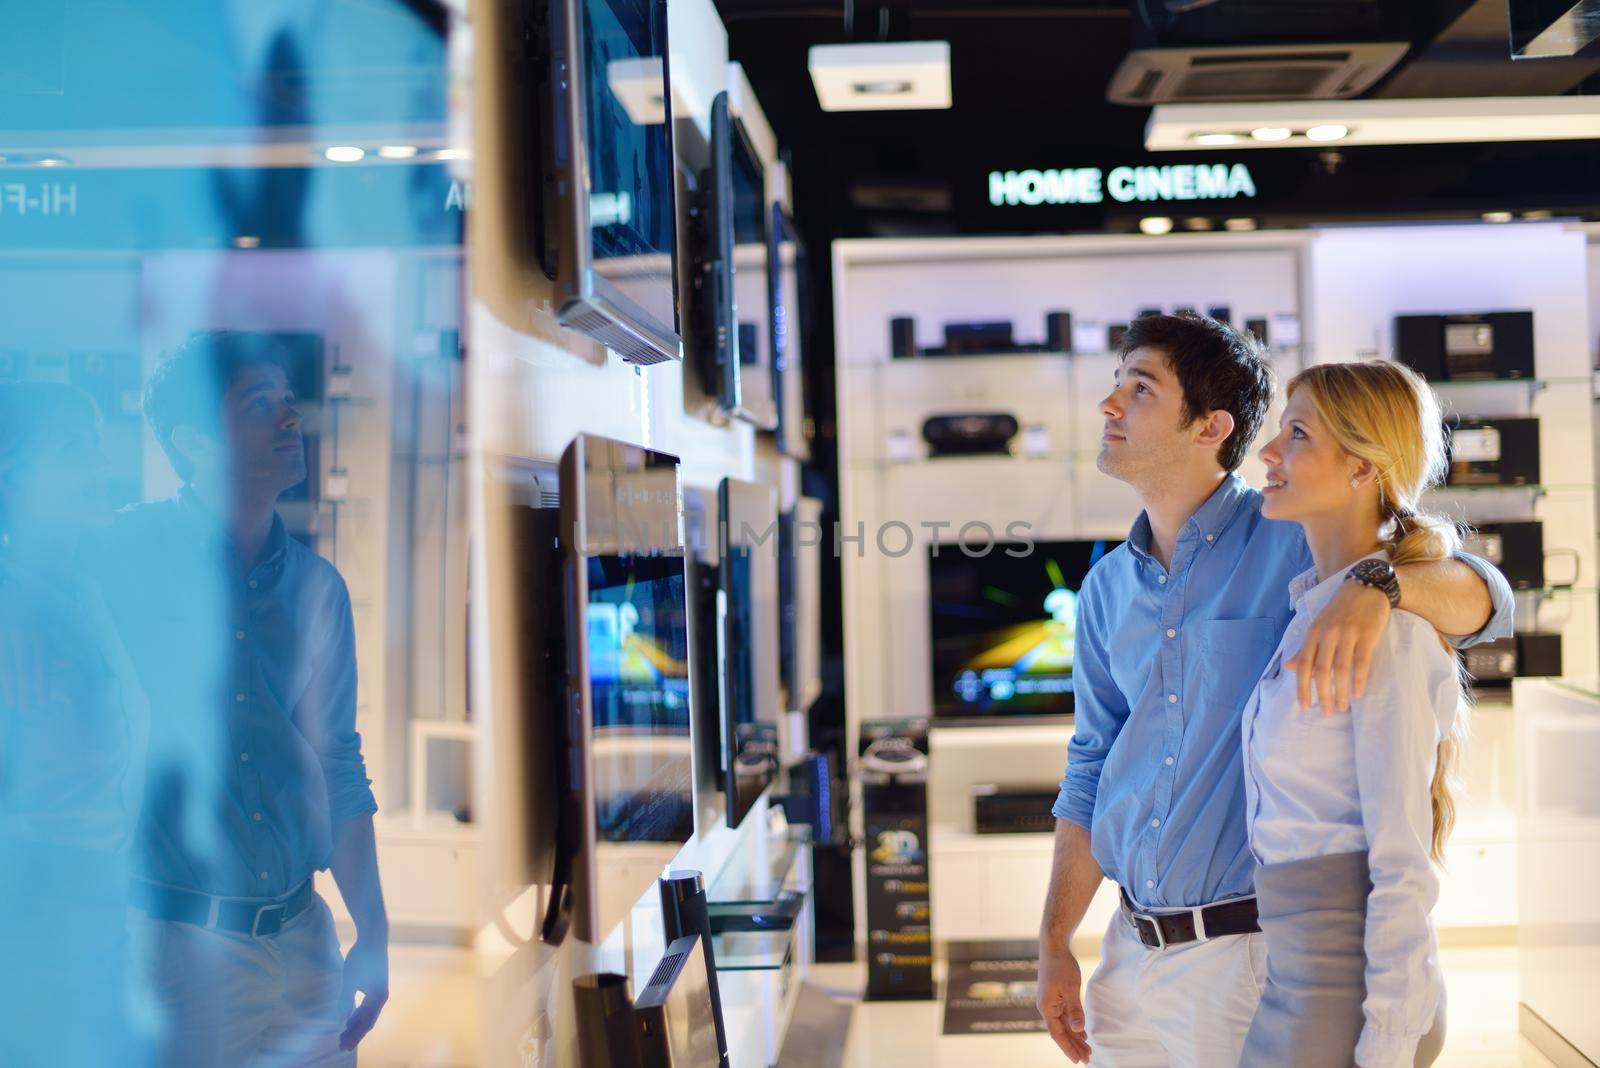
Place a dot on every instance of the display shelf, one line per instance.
(752, 951)
(764, 869)
(1002, 736)
(971, 358)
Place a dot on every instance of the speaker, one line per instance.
(1257, 328)
(1058, 331)
(1117, 333)
(969, 434)
(1419, 344)
(1539, 654)
(1221, 313)
(903, 338)
(1147, 313)
(1494, 452)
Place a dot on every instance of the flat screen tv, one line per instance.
(791, 317)
(1002, 625)
(799, 601)
(748, 608)
(676, 1010)
(608, 200)
(731, 227)
(627, 780)
(705, 650)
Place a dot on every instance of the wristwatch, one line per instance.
(1379, 574)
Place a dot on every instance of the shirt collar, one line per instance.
(1306, 594)
(1208, 520)
(277, 538)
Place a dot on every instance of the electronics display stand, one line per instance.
(894, 788)
(684, 912)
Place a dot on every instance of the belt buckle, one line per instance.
(282, 909)
(1161, 936)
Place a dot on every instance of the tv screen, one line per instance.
(799, 597)
(705, 656)
(748, 605)
(627, 780)
(612, 180)
(790, 316)
(675, 1011)
(1002, 626)
(737, 362)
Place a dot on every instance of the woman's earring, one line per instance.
(1355, 483)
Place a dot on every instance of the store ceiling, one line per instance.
(1029, 83)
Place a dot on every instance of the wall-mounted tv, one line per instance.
(800, 604)
(791, 318)
(705, 650)
(627, 784)
(608, 197)
(1002, 624)
(748, 607)
(731, 273)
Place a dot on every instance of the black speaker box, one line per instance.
(903, 338)
(1517, 549)
(970, 433)
(1058, 331)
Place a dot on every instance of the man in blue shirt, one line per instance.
(244, 641)
(1174, 629)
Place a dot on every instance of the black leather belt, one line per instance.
(1237, 916)
(257, 917)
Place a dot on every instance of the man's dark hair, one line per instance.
(188, 387)
(1218, 368)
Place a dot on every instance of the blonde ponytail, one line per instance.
(1386, 414)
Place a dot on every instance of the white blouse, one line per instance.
(1319, 784)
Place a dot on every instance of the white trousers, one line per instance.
(225, 999)
(1188, 1006)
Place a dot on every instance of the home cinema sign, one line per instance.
(1091, 185)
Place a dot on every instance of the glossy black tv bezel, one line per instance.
(589, 303)
(717, 307)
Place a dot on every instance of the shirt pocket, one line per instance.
(1224, 659)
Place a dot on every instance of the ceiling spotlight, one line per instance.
(1155, 225)
(247, 241)
(889, 88)
(449, 153)
(1330, 132)
(397, 151)
(1272, 133)
(1240, 226)
(52, 161)
(1498, 216)
(1217, 139)
(345, 153)
(1198, 222)
(1539, 214)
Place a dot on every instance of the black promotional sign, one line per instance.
(894, 778)
(992, 988)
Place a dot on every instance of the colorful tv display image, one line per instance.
(1003, 625)
(638, 647)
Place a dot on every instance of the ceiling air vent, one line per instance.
(1256, 72)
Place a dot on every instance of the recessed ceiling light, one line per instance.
(1217, 139)
(1155, 225)
(1240, 225)
(1272, 133)
(397, 151)
(345, 153)
(247, 241)
(449, 153)
(873, 76)
(1539, 214)
(52, 161)
(1498, 216)
(1329, 132)
(1199, 222)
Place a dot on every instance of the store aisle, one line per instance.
(1483, 1025)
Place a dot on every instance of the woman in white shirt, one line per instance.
(1347, 813)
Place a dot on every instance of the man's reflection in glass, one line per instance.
(72, 741)
(244, 639)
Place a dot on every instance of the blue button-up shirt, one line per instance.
(254, 756)
(1165, 660)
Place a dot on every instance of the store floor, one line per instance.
(1482, 1025)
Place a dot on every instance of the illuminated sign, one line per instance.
(1090, 185)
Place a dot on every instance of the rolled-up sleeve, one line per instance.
(1396, 727)
(1505, 605)
(1099, 713)
(327, 716)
